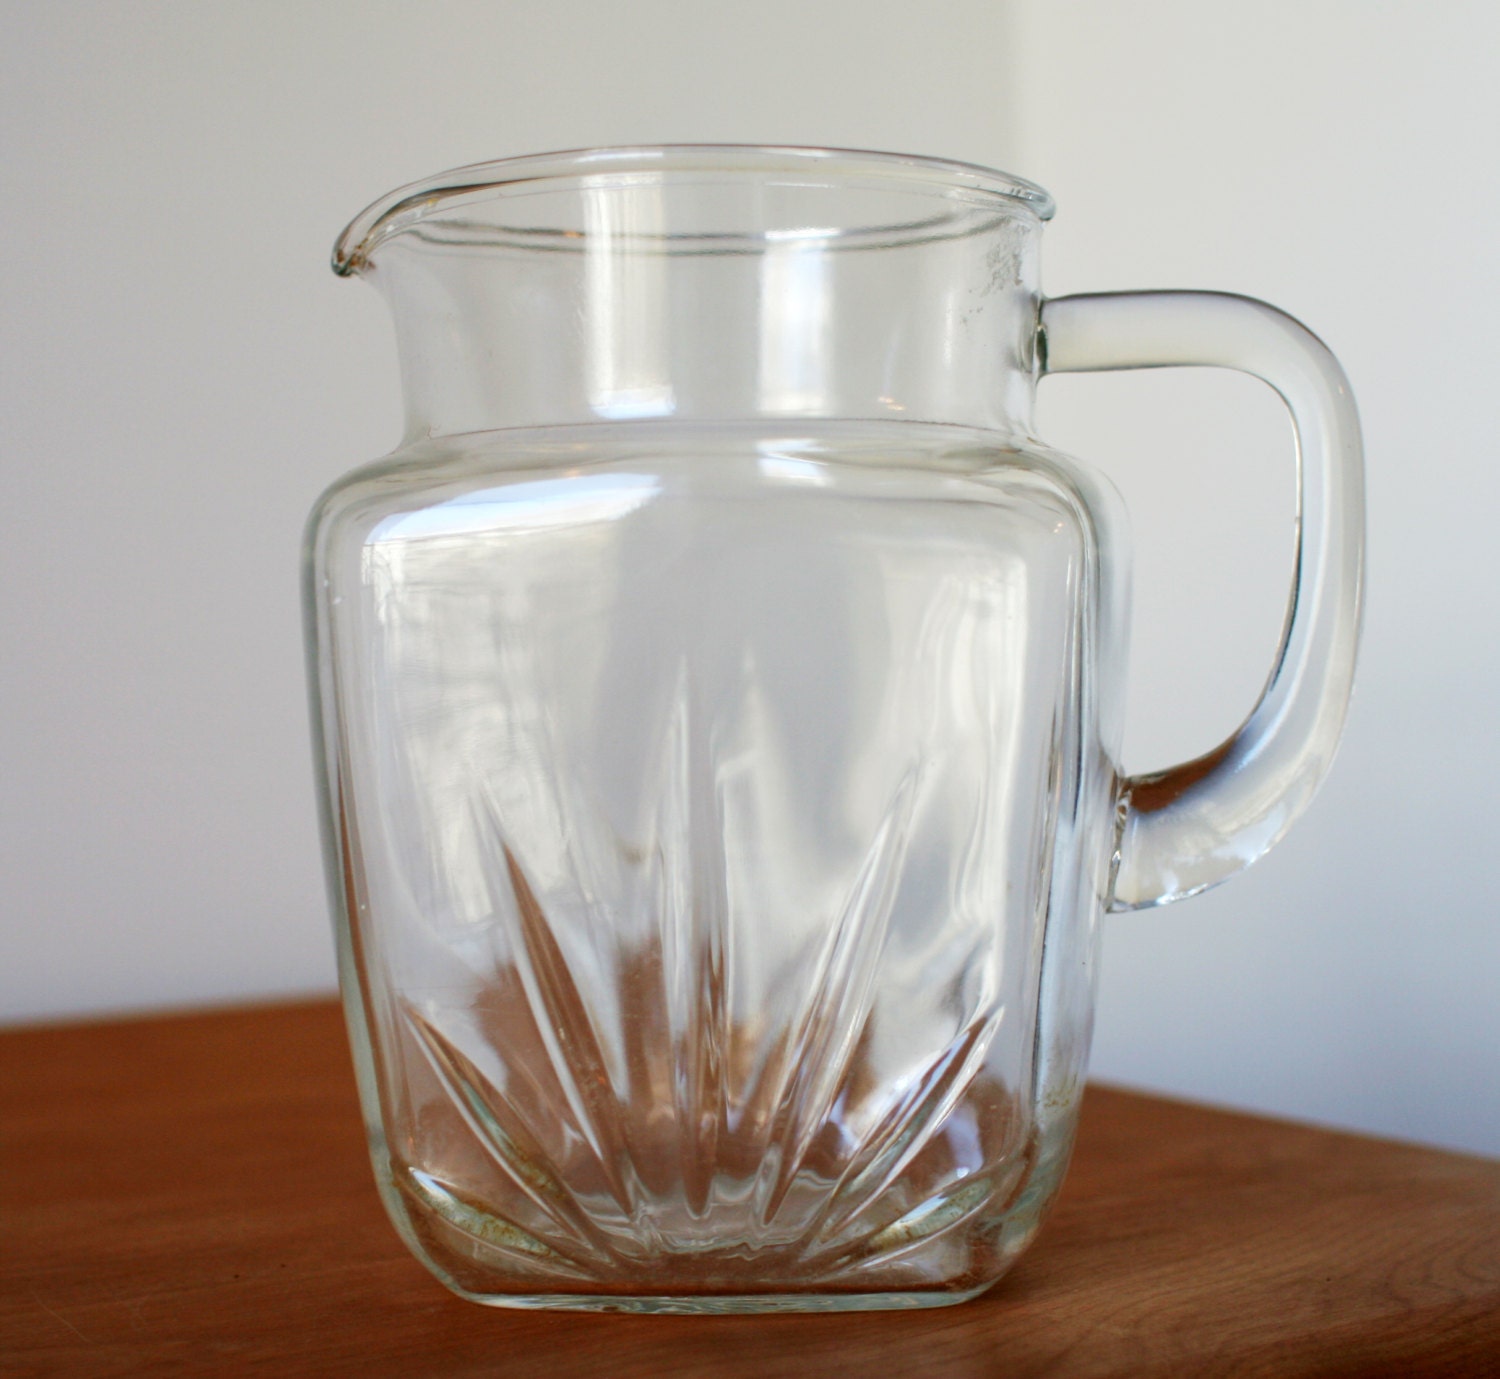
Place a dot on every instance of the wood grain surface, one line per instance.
(191, 1195)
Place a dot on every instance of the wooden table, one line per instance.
(190, 1195)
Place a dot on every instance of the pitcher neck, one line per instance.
(708, 284)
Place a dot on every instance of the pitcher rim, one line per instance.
(399, 209)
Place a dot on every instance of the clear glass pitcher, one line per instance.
(718, 697)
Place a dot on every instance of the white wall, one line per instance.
(181, 375)
(1338, 158)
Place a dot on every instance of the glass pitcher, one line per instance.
(718, 696)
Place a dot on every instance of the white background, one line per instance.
(180, 375)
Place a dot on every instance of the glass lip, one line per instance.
(399, 210)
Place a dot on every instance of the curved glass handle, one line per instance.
(1189, 827)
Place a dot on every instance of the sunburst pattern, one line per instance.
(726, 1158)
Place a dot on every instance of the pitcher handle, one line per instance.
(1193, 825)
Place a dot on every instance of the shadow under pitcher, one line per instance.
(718, 698)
